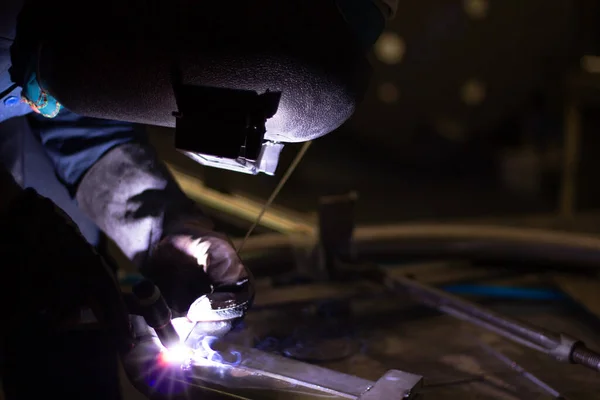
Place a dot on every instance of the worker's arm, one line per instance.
(118, 181)
(74, 143)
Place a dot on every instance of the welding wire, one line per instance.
(278, 188)
(521, 371)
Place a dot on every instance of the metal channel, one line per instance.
(251, 371)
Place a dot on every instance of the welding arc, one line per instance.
(278, 188)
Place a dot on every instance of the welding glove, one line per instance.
(200, 261)
(133, 198)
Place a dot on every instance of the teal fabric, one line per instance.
(365, 18)
(40, 101)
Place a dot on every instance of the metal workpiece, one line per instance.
(394, 385)
(560, 346)
(220, 370)
(254, 374)
(255, 369)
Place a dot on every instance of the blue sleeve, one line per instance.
(75, 143)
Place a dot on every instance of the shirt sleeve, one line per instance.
(74, 143)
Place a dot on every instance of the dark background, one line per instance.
(465, 118)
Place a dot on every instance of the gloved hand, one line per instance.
(134, 199)
(187, 267)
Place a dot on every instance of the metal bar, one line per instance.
(251, 371)
(222, 370)
(492, 328)
(395, 385)
(231, 371)
(521, 371)
(507, 327)
(560, 346)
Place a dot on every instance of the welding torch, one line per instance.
(218, 310)
(150, 304)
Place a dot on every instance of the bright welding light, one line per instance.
(176, 355)
(183, 326)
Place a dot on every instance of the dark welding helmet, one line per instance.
(237, 79)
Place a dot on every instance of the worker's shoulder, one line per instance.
(389, 7)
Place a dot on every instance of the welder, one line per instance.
(236, 79)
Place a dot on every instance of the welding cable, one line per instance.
(438, 241)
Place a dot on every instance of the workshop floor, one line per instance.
(453, 356)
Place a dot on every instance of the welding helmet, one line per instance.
(237, 79)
